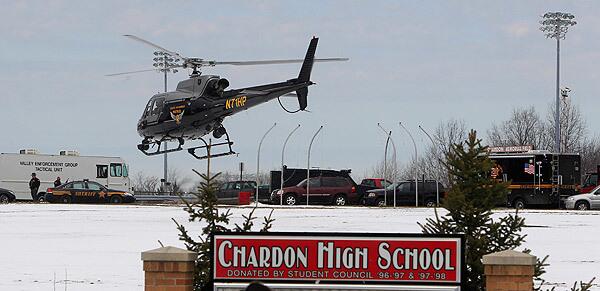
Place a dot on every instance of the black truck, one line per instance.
(538, 178)
(405, 194)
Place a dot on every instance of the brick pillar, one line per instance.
(169, 269)
(509, 271)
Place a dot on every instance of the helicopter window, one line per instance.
(157, 107)
(148, 108)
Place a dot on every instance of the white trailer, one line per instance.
(16, 170)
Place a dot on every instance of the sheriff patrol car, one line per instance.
(86, 191)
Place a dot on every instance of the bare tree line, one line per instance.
(526, 127)
(180, 183)
(431, 162)
(143, 182)
(523, 127)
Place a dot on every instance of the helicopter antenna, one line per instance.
(285, 109)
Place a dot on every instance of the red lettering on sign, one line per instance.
(399, 259)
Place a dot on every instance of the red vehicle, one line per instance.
(323, 190)
(376, 183)
(589, 182)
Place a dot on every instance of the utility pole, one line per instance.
(308, 164)
(416, 162)
(258, 161)
(389, 134)
(555, 25)
(437, 186)
(282, 159)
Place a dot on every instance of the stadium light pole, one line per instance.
(258, 161)
(437, 187)
(282, 159)
(555, 25)
(308, 164)
(164, 63)
(389, 134)
(416, 161)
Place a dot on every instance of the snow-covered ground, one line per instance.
(97, 247)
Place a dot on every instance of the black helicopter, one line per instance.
(200, 104)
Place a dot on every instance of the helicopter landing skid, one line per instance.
(144, 147)
(208, 148)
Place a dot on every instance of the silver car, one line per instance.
(584, 201)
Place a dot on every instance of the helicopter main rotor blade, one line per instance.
(131, 72)
(155, 46)
(141, 71)
(271, 62)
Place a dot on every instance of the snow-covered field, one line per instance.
(97, 247)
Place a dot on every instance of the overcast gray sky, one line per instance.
(419, 62)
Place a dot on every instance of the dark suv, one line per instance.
(323, 190)
(405, 194)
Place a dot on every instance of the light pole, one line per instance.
(282, 158)
(387, 141)
(416, 161)
(437, 187)
(164, 62)
(555, 25)
(389, 134)
(308, 164)
(258, 161)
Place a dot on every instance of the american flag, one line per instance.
(529, 168)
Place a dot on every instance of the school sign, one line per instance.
(340, 261)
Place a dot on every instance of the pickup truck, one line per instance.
(368, 184)
(405, 194)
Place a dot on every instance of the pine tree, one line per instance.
(472, 196)
(204, 210)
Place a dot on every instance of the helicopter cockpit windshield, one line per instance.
(153, 108)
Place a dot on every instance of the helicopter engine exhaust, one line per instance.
(218, 86)
(223, 84)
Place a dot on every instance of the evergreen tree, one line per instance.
(204, 210)
(472, 196)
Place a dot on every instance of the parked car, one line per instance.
(293, 176)
(323, 190)
(6, 196)
(229, 192)
(405, 194)
(370, 184)
(584, 201)
(86, 191)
